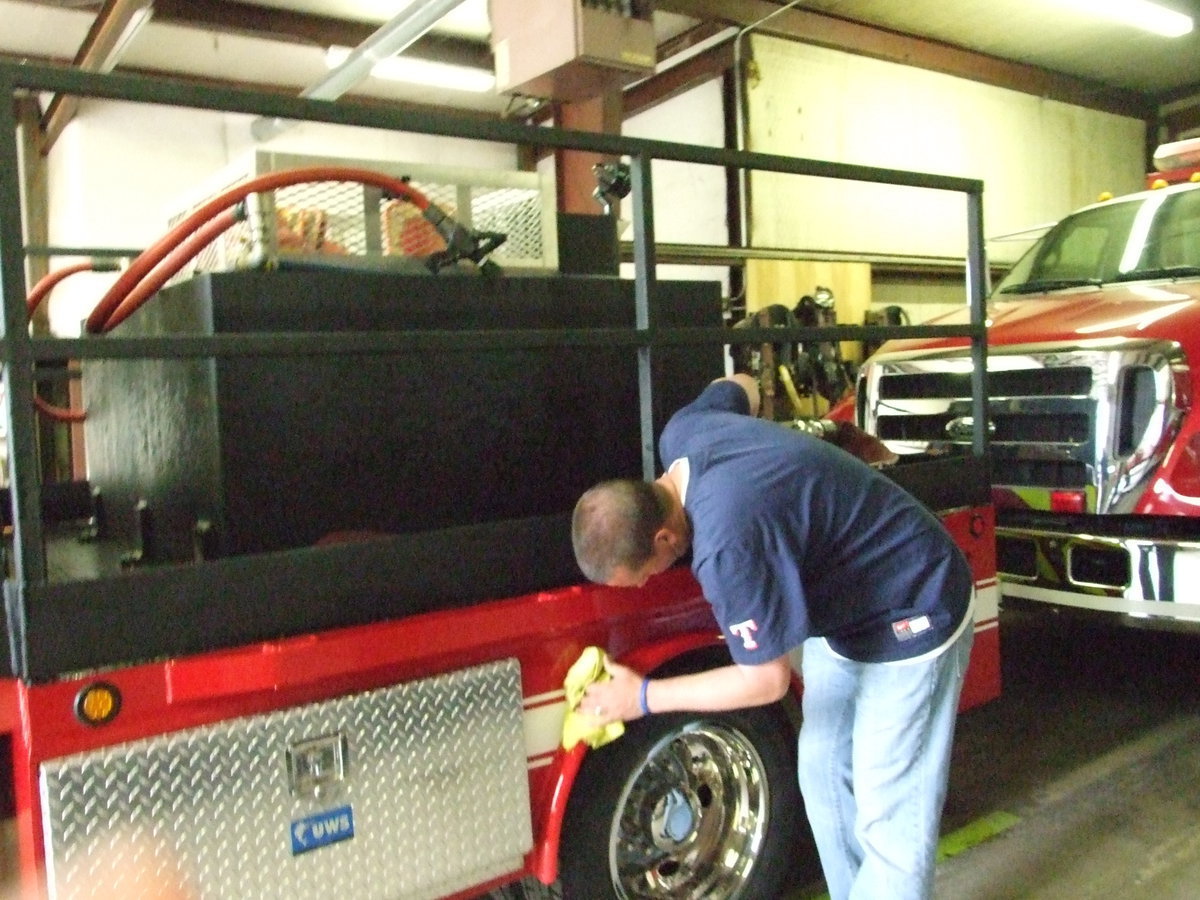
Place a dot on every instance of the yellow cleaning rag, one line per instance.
(578, 726)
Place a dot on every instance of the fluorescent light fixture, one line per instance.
(138, 19)
(414, 70)
(1142, 14)
(394, 36)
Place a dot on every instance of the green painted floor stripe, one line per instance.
(971, 835)
(976, 832)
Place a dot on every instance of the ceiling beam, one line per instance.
(266, 22)
(104, 40)
(1181, 121)
(650, 92)
(269, 23)
(834, 33)
(695, 70)
(1186, 92)
(220, 84)
(694, 37)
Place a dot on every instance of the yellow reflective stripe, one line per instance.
(975, 833)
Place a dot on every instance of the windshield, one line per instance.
(1155, 235)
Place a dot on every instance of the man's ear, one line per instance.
(672, 540)
(669, 539)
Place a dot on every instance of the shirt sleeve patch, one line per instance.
(745, 630)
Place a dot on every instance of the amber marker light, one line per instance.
(97, 704)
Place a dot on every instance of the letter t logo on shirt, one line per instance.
(745, 630)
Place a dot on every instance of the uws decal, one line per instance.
(322, 829)
(745, 630)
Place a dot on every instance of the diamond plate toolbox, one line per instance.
(411, 791)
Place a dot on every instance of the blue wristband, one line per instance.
(642, 696)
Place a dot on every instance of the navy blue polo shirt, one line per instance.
(793, 537)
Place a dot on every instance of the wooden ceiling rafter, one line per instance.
(95, 54)
(269, 23)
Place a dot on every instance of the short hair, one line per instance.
(614, 525)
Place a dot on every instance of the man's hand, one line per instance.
(615, 699)
(866, 447)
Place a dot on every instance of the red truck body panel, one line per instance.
(1166, 309)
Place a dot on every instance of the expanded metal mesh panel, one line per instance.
(412, 791)
(331, 222)
(516, 213)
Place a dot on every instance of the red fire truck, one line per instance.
(1093, 337)
(304, 627)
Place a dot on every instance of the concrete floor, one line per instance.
(1094, 748)
(1086, 773)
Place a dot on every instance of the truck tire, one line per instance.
(527, 889)
(688, 806)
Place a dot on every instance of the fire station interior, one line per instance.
(1081, 779)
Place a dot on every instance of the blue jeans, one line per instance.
(874, 753)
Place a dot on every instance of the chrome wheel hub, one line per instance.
(691, 817)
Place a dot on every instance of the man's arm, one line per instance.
(846, 435)
(716, 690)
(866, 447)
(749, 384)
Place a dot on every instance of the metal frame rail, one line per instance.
(44, 618)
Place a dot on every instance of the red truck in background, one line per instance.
(1093, 379)
(304, 628)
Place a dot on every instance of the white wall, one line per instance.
(1038, 158)
(689, 199)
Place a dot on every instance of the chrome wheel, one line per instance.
(691, 818)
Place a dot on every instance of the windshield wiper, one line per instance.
(1049, 284)
(1160, 272)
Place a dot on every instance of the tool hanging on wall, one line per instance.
(792, 376)
(766, 361)
(824, 370)
(889, 315)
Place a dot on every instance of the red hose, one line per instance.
(58, 413)
(97, 321)
(47, 283)
(179, 257)
(40, 292)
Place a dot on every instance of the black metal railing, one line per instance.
(55, 628)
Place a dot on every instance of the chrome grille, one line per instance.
(1058, 417)
(1069, 380)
